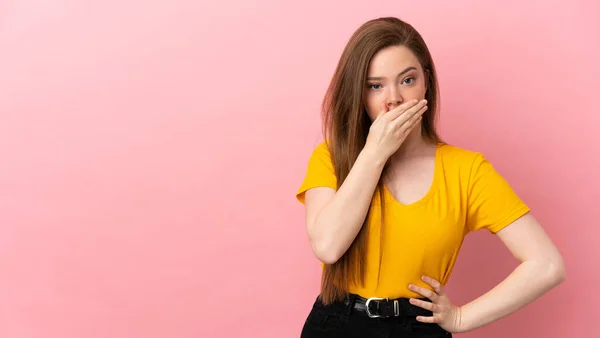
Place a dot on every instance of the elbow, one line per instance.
(555, 271)
(327, 259)
(325, 250)
(559, 272)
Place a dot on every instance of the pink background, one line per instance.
(150, 152)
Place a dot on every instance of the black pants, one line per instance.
(343, 320)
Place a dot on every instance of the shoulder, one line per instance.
(320, 160)
(459, 156)
(322, 148)
(321, 152)
(465, 164)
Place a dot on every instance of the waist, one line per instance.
(390, 290)
(374, 307)
(392, 282)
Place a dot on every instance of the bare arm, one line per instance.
(334, 218)
(541, 269)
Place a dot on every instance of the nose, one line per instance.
(394, 98)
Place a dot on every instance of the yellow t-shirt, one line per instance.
(424, 238)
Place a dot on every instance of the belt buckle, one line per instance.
(371, 315)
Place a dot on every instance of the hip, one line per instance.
(365, 318)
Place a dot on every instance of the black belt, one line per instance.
(385, 307)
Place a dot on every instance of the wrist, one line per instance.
(372, 156)
(463, 320)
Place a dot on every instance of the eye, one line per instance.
(408, 80)
(374, 86)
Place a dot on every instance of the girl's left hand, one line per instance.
(445, 313)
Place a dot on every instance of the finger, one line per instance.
(412, 123)
(423, 292)
(437, 286)
(423, 304)
(427, 319)
(398, 111)
(383, 108)
(412, 112)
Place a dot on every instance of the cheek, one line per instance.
(423, 90)
(373, 105)
(423, 86)
(417, 92)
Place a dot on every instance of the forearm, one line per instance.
(338, 223)
(527, 282)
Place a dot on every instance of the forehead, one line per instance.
(392, 60)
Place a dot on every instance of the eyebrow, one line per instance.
(401, 73)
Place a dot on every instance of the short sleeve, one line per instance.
(492, 203)
(319, 173)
